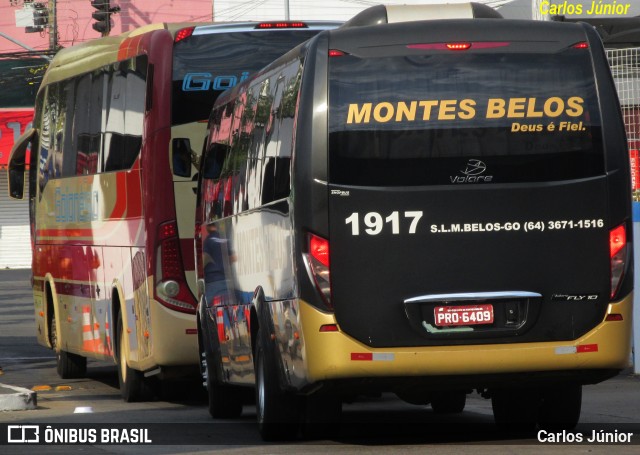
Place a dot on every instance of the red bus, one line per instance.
(119, 125)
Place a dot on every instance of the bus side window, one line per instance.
(257, 152)
(33, 175)
(213, 161)
(94, 139)
(272, 142)
(211, 182)
(124, 107)
(65, 141)
(221, 137)
(114, 134)
(244, 145)
(125, 112)
(134, 112)
(278, 138)
(82, 122)
(45, 164)
(254, 161)
(56, 118)
(286, 113)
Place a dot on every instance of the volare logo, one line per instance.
(474, 167)
(23, 434)
(474, 172)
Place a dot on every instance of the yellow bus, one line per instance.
(426, 208)
(119, 124)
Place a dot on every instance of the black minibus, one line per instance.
(427, 208)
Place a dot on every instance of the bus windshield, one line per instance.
(410, 120)
(205, 66)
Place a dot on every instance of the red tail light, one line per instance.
(458, 46)
(183, 34)
(281, 24)
(318, 262)
(582, 45)
(618, 254)
(170, 259)
(336, 53)
(171, 286)
(329, 328)
(319, 249)
(168, 230)
(462, 46)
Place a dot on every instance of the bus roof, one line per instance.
(94, 54)
(366, 40)
(97, 53)
(389, 14)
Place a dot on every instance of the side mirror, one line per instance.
(16, 182)
(182, 157)
(17, 164)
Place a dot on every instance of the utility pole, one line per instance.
(286, 10)
(40, 16)
(53, 26)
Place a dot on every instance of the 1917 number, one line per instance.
(374, 223)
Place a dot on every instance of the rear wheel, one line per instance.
(225, 402)
(515, 410)
(452, 402)
(321, 416)
(276, 410)
(69, 366)
(560, 407)
(133, 385)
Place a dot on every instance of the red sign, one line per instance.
(13, 122)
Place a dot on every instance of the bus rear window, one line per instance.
(462, 117)
(206, 65)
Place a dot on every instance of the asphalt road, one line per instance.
(179, 422)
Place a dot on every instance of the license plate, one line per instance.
(463, 315)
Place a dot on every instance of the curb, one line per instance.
(14, 398)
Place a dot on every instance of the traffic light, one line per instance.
(103, 16)
(40, 15)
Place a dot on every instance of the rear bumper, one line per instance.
(336, 356)
(174, 337)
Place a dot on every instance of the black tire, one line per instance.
(225, 402)
(276, 410)
(68, 365)
(560, 407)
(515, 411)
(133, 385)
(71, 366)
(320, 417)
(449, 402)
